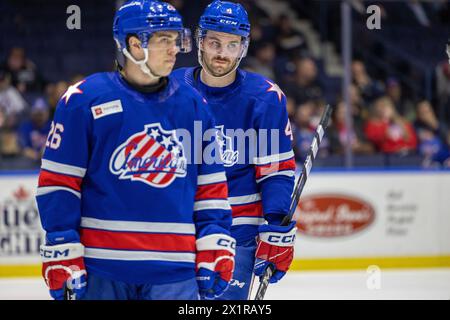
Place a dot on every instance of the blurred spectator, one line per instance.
(404, 106)
(54, 92)
(33, 132)
(76, 78)
(338, 133)
(263, 61)
(289, 42)
(290, 106)
(443, 91)
(9, 145)
(303, 130)
(260, 32)
(24, 74)
(359, 108)
(305, 86)
(12, 103)
(388, 131)
(431, 135)
(369, 89)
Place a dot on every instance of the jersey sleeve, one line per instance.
(275, 162)
(63, 168)
(212, 211)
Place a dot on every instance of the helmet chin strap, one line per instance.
(141, 63)
(208, 70)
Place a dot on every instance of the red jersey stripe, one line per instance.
(267, 169)
(212, 191)
(137, 241)
(247, 210)
(47, 179)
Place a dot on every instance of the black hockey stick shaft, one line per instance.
(306, 169)
(68, 294)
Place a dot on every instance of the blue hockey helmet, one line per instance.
(227, 17)
(142, 18)
(224, 16)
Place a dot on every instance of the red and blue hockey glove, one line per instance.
(215, 264)
(275, 247)
(63, 265)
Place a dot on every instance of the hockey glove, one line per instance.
(276, 248)
(63, 265)
(215, 264)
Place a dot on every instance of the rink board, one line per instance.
(348, 220)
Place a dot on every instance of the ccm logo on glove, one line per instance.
(227, 243)
(54, 254)
(280, 239)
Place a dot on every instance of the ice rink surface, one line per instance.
(342, 285)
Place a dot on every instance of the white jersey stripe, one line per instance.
(244, 199)
(138, 255)
(135, 226)
(46, 190)
(63, 168)
(211, 178)
(273, 158)
(248, 220)
(211, 204)
(289, 173)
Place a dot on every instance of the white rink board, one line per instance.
(411, 214)
(20, 229)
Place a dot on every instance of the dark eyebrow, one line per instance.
(217, 39)
(214, 38)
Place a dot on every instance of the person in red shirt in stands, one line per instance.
(388, 131)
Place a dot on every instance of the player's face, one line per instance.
(220, 52)
(162, 50)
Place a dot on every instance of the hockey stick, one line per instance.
(312, 153)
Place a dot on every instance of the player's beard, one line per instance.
(219, 70)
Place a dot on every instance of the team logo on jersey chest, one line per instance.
(227, 154)
(153, 156)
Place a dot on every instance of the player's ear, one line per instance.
(134, 41)
(135, 47)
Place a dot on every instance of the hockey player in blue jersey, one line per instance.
(260, 185)
(126, 214)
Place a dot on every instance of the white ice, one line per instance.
(393, 284)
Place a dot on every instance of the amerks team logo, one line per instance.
(153, 156)
(227, 154)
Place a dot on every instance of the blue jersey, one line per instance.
(116, 171)
(260, 171)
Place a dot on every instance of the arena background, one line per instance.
(377, 200)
